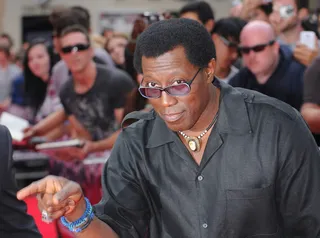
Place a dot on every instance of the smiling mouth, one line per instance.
(172, 117)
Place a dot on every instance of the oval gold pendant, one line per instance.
(194, 144)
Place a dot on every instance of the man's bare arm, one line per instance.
(311, 114)
(96, 229)
(50, 122)
(105, 144)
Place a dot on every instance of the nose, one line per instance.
(167, 100)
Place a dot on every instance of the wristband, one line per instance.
(83, 222)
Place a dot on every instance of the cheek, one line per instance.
(193, 105)
(31, 66)
(246, 59)
(46, 62)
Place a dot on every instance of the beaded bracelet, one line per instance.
(83, 222)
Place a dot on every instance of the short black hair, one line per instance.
(71, 17)
(202, 9)
(229, 27)
(166, 35)
(301, 4)
(6, 50)
(83, 10)
(55, 15)
(75, 28)
(267, 8)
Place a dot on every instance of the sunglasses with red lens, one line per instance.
(256, 48)
(75, 48)
(181, 89)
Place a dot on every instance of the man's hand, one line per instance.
(57, 196)
(29, 132)
(304, 54)
(74, 153)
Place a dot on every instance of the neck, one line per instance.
(86, 76)
(207, 116)
(263, 77)
(292, 35)
(222, 73)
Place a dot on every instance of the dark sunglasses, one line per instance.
(228, 43)
(181, 89)
(256, 48)
(75, 48)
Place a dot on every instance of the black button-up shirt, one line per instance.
(259, 176)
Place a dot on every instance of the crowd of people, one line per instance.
(84, 85)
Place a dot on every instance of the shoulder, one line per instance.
(19, 79)
(4, 133)
(103, 55)
(142, 125)
(66, 87)
(262, 107)
(14, 70)
(113, 75)
(240, 76)
(6, 150)
(58, 66)
(287, 53)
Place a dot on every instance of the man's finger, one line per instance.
(66, 203)
(33, 189)
(57, 214)
(67, 191)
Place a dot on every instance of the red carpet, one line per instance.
(46, 230)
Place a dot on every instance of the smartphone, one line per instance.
(308, 38)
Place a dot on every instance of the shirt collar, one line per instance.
(233, 117)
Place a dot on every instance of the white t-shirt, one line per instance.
(233, 72)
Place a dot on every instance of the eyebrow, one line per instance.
(168, 82)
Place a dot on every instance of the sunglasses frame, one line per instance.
(188, 84)
(228, 43)
(247, 50)
(78, 47)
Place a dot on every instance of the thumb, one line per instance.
(71, 190)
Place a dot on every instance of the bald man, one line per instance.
(270, 68)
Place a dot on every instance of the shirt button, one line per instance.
(205, 225)
(200, 178)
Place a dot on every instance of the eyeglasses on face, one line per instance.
(75, 48)
(228, 43)
(256, 48)
(181, 89)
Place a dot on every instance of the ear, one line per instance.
(276, 47)
(209, 71)
(209, 25)
(303, 13)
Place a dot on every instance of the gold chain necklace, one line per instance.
(194, 143)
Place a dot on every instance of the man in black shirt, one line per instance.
(14, 220)
(270, 69)
(93, 99)
(209, 161)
